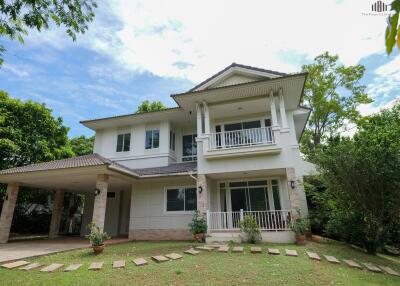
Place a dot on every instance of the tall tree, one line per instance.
(18, 16)
(82, 145)
(392, 34)
(333, 91)
(147, 106)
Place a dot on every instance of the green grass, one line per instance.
(208, 268)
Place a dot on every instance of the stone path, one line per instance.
(159, 258)
(174, 256)
(73, 267)
(52, 267)
(255, 249)
(389, 271)
(140, 261)
(119, 264)
(313, 255)
(237, 249)
(331, 259)
(96, 266)
(206, 248)
(372, 267)
(352, 263)
(15, 264)
(31, 266)
(223, 249)
(291, 253)
(191, 251)
(273, 251)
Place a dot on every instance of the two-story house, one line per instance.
(228, 149)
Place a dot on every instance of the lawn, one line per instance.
(208, 268)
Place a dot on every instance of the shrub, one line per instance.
(300, 226)
(96, 236)
(198, 223)
(250, 227)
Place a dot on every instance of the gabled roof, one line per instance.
(233, 65)
(177, 168)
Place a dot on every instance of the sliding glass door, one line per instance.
(249, 196)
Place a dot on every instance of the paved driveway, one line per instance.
(29, 248)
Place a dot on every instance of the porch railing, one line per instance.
(244, 137)
(266, 220)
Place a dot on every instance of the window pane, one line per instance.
(172, 140)
(120, 142)
(127, 141)
(251, 124)
(233, 126)
(238, 184)
(194, 145)
(187, 145)
(238, 199)
(258, 183)
(267, 122)
(222, 197)
(190, 199)
(175, 200)
(277, 200)
(156, 138)
(149, 139)
(257, 199)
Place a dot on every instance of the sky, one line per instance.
(147, 50)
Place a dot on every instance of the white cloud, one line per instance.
(17, 70)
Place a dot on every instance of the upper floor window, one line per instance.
(152, 139)
(189, 144)
(172, 140)
(123, 142)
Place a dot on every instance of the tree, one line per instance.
(18, 16)
(147, 106)
(82, 145)
(362, 173)
(392, 34)
(333, 91)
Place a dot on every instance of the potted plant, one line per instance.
(250, 227)
(198, 226)
(97, 238)
(300, 227)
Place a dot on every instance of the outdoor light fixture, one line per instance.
(292, 184)
(96, 192)
(200, 189)
(6, 197)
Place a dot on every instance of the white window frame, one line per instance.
(152, 139)
(172, 139)
(194, 157)
(173, 188)
(123, 142)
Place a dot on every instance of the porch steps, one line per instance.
(223, 237)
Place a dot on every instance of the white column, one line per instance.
(273, 109)
(282, 109)
(206, 118)
(199, 123)
(56, 213)
(7, 211)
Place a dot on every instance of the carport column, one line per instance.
(56, 214)
(202, 194)
(8, 211)
(297, 195)
(100, 201)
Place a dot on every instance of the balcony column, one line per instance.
(206, 118)
(56, 213)
(100, 201)
(7, 211)
(199, 121)
(274, 117)
(282, 110)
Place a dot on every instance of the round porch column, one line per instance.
(100, 201)
(202, 194)
(56, 214)
(7, 212)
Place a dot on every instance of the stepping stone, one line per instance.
(31, 266)
(96, 266)
(191, 251)
(206, 248)
(140, 261)
(237, 249)
(332, 259)
(352, 263)
(72, 267)
(255, 250)
(291, 253)
(372, 267)
(313, 255)
(15, 264)
(214, 245)
(174, 256)
(273, 251)
(119, 264)
(224, 249)
(159, 258)
(389, 271)
(52, 267)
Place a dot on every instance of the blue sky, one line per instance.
(138, 50)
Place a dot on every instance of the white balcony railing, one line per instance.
(244, 137)
(266, 220)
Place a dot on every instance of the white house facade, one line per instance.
(228, 149)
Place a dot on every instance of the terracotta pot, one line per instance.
(98, 248)
(199, 237)
(308, 234)
(301, 239)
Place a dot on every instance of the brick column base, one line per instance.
(202, 194)
(100, 201)
(7, 212)
(297, 194)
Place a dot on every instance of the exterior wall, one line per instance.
(235, 79)
(149, 218)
